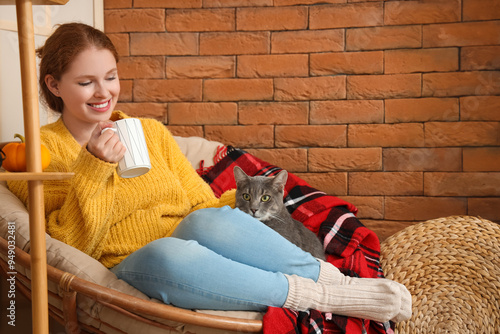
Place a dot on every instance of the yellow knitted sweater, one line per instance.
(109, 217)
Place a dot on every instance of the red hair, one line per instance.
(59, 51)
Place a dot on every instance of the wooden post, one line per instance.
(40, 311)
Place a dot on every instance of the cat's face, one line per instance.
(259, 196)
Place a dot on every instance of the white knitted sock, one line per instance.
(374, 299)
(331, 275)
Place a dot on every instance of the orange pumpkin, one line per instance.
(15, 156)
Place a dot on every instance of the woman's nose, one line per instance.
(101, 91)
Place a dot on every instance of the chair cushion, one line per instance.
(197, 149)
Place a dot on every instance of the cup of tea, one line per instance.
(136, 161)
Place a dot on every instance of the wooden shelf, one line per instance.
(35, 176)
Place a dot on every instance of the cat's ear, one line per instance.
(280, 179)
(239, 174)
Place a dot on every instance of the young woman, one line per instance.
(165, 232)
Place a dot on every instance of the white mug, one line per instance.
(136, 161)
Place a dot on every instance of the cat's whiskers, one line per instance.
(277, 218)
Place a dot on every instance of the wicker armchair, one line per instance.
(86, 297)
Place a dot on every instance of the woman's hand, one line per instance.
(105, 144)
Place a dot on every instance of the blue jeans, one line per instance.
(219, 259)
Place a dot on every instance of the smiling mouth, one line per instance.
(100, 105)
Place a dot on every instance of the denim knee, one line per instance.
(205, 224)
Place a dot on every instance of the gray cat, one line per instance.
(262, 198)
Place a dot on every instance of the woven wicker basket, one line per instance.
(451, 266)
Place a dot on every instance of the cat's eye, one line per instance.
(246, 197)
(265, 198)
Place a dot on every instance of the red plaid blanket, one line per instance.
(350, 246)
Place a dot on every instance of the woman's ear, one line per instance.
(52, 84)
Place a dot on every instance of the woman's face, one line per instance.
(89, 88)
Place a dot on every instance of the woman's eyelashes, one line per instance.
(87, 83)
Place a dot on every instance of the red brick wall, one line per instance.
(392, 105)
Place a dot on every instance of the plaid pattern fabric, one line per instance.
(349, 245)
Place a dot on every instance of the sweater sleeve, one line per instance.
(85, 218)
(77, 210)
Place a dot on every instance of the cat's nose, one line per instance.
(253, 211)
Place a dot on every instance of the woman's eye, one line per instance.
(111, 78)
(246, 197)
(265, 198)
(86, 83)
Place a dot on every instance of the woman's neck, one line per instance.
(80, 131)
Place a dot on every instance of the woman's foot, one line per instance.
(376, 299)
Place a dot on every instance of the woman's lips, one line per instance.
(104, 106)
